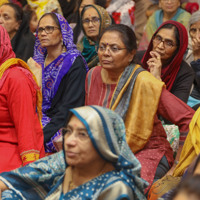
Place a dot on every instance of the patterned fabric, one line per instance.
(44, 6)
(191, 146)
(107, 133)
(105, 91)
(173, 136)
(55, 71)
(156, 20)
(89, 51)
(122, 12)
(169, 72)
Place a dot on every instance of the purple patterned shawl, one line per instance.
(55, 71)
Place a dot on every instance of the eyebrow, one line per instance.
(168, 39)
(80, 129)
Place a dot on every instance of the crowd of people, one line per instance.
(99, 99)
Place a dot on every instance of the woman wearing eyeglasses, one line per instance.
(169, 10)
(94, 20)
(138, 97)
(164, 59)
(63, 74)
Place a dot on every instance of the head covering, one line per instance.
(89, 51)
(51, 75)
(195, 17)
(6, 51)
(169, 72)
(7, 59)
(107, 132)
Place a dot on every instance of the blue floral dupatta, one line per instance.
(43, 179)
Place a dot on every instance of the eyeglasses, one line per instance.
(47, 29)
(168, 44)
(111, 48)
(94, 20)
(80, 135)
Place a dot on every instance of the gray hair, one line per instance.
(195, 17)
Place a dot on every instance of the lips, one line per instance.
(71, 154)
(106, 62)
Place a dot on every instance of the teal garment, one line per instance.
(89, 51)
(159, 16)
(192, 101)
(43, 179)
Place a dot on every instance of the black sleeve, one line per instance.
(70, 94)
(196, 67)
(183, 82)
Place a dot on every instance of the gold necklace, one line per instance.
(71, 185)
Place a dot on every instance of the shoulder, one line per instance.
(15, 73)
(186, 69)
(117, 190)
(78, 64)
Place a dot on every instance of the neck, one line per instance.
(110, 76)
(168, 16)
(53, 53)
(11, 35)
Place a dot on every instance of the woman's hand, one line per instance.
(155, 65)
(3, 186)
(196, 47)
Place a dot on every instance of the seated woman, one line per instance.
(17, 26)
(96, 163)
(169, 10)
(164, 59)
(21, 136)
(94, 20)
(138, 97)
(193, 58)
(63, 74)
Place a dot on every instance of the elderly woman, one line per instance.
(96, 164)
(17, 26)
(164, 59)
(169, 10)
(21, 137)
(193, 58)
(94, 20)
(138, 97)
(63, 74)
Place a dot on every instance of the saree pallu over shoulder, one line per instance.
(191, 147)
(136, 100)
(20, 63)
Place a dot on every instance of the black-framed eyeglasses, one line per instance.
(47, 29)
(168, 44)
(94, 20)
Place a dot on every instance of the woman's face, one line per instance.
(8, 20)
(53, 39)
(84, 3)
(79, 150)
(33, 23)
(163, 48)
(112, 52)
(169, 6)
(91, 23)
(195, 30)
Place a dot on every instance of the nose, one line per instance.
(107, 51)
(1, 21)
(161, 44)
(90, 23)
(71, 140)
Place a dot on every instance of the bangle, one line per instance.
(176, 162)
